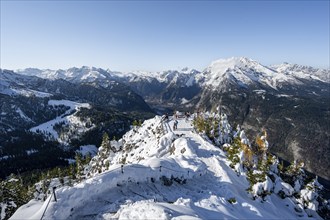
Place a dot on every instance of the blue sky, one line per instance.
(161, 35)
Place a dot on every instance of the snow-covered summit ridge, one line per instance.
(166, 174)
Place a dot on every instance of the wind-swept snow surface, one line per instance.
(167, 175)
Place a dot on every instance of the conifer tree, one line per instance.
(105, 143)
(261, 148)
(105, 149)
(295, 175)
(101, 161)
(60, 175)
(79, 166)
(88, 158)
(12, 195)
(72, 172)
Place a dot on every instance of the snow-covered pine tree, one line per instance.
(224, 130)
(310, 198)
(261, 148)
(259, 175)
(295, 175)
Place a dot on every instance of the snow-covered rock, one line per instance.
(284, 187)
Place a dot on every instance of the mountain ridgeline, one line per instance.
(290, 101)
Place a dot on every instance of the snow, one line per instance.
(244, 72)
(308, 195)
(303, 72)
(261, 187)
(283, 95)
(142, 210)
(285, 187)
(23, 115)
(184, 101)
(3, 209)
(184, 77)
(24, 92)
(85, 149)
(240, 70)
(68, 118)
(4, 157)
(91, 76)
(31, 151)
(190, 81)
(32, 210)
(13, 180)
(167, 175)
(243, 137)
(259, 91)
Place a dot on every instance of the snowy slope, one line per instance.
(24, 92)
(14, 84)
(167, 175)
(68, 118)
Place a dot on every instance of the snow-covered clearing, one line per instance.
(203, 186)
(23, 115)
(85, 149)
(69, 117)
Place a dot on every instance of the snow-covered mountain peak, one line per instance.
(239, 70)
(231, 62)
(186, 70)
(243, 63)
(86, 74)
(302, 71)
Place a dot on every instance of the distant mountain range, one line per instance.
(290, 101)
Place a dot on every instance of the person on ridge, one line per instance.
(175, 125)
